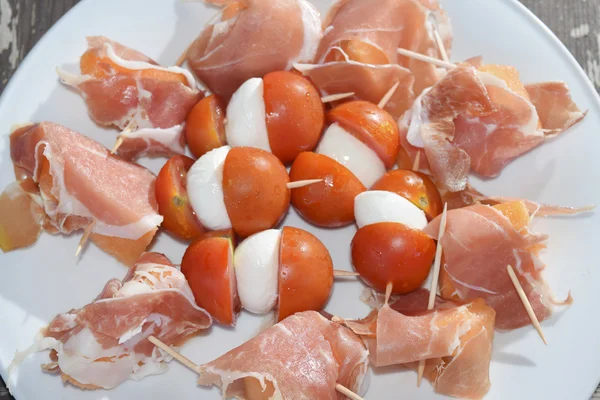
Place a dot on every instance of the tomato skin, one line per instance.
(205, 126)
(208, 266)
(329, 203)
(295, 115)
(392, 252)
(359, 51)
(173, 203)
(416, 187)
(372, 125)
(254, 189)
(305, 273)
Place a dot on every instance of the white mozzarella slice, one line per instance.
(205, 189)
(256, 263)
(343, 147)
(377, 206)
(246, 117)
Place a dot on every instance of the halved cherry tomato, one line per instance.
(391, 252)
(294, 114)
(305, 273)
(372, 125)
(254, 189)
(228, 234)
(173, 203)
(204, 127)
(329, 203)
(415, 187)
(359, 51)
(208, 267)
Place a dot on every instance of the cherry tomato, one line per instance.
(294, 113)
(329, 203)
(372, 125)
(228, 234)
(305, 273)
(204, 127)
(413, 186)
(208, 267)
(359, 51)
(392, 252)
(173, 203)
(404, 160)
(254, 189)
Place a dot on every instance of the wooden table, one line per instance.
(24, 22)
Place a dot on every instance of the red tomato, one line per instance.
(204, 127)
(357, 50)
(305, 273)
(416, 187)
(294, 114)
(173, 203)
(254, 189)
(372, 125)
(329, 203)
(392, 252)
(208, 266)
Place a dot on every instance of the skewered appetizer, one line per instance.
(357, 148)
(289, 270)
(281, 113)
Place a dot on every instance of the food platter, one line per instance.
(46, 279)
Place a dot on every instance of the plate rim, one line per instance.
(516, 5)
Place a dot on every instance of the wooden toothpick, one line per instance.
(434, 281)
(336, 97)
(344, 274)
(388, 291)
(417, 162)
(388, 95)
(199, 370)
(526, 303)
(424, 58)
(85, 237)
(440, 44)
(299, 184)
(131, 126)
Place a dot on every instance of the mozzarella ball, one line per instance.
(377, 206)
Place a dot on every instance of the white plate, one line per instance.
(39, 282)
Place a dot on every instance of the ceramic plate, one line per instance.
(45, 279)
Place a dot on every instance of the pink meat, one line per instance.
(479, 243)
(264, 36)
(134, 99)
(154, 297)
(81, 183)
(302, 357)
(388, 25)
(368, 82)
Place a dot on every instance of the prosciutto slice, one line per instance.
(125, 89)
(251, 38)
(483, 139)
(104, 343)
(479, 243)
(368, 82)
(302, 357)
(455, 338)
(384, 26)
(73, 182)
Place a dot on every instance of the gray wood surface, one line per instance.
(24, 22)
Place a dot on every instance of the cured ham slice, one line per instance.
(125, 89)
(471, 196)
(252, 38)
(368, 82)
(75, 182)
(479, 242)
(302, 357)
(484, 140)
(371, 32)
(429, 126)
(104, 343)
(455, 338)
